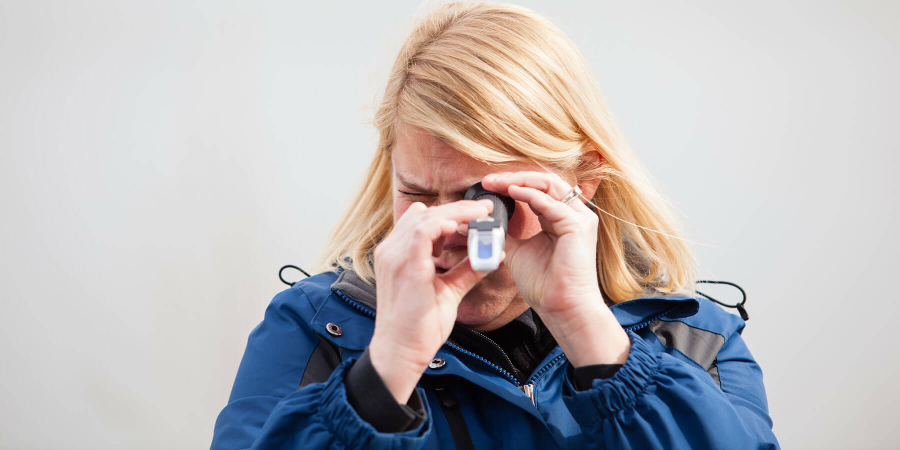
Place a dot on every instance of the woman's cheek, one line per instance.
(401, 204)
(524, 223)
(400, 207)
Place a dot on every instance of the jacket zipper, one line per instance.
(528, 387)
(368, 311)
(652, 319)
(496, 346)
(359, 306)
(497, 368)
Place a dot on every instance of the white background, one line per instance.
(159, 161)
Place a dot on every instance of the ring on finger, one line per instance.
(575, 192)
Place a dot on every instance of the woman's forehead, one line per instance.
(426, 174)
(420, 160)
(414, 143)
(415, 146)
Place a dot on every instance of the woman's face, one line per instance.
(429, 171)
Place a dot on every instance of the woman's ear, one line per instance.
(590, 160)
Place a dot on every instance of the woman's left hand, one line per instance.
(556, 269)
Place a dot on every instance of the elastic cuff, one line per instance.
(608, 396)
(584, 376)
(342, 420)
(374, 402)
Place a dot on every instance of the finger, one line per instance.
(427, 236)
(438, 247)
(548, 183)
(410, 214)
(510, 250)
(432, 225)
(541, 203)
(463, 210)
(461, 278)
(545, 224)
(428, 223)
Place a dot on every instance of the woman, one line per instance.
(587, 335)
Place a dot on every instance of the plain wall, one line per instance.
(159, 161)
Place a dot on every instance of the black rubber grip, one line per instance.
(504, 207)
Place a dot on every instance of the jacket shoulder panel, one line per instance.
(316, 289)
(698, 337)
(714, 319)
(278, 348)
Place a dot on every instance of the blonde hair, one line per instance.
(500, 83)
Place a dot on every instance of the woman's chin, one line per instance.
(492, 303)
(481, 315)
(472, 314)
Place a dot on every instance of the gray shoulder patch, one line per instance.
(700, 345)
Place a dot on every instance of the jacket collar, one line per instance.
(636, 313)
(354, 287)
(350, 284)
(649, 306)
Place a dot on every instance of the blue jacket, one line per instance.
(689, 382)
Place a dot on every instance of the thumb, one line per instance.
(462, 278)
(510, 249)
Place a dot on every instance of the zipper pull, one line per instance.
(528, 389)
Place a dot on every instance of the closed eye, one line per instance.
(414, 194)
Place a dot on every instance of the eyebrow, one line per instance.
(413, 185)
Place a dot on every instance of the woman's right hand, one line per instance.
(417, 306)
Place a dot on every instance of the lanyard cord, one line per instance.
(740, 306)
(289, 266)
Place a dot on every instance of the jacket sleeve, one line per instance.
(658, 401)
(268, 410)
